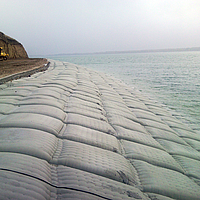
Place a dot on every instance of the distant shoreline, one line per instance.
(131, 51)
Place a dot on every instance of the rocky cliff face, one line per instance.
(12, 47)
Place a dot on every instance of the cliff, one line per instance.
(12, 47)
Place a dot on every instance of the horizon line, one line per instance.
(129, 51)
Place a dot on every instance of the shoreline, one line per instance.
(93, 136)
(189, 49)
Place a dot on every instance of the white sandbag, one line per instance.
(163, 134)
(158, 197)
(89, 122)
(95, 160)
(28, 165)
(86, 112)
(41, 100)
(6, 108)
(99, 185)
(91, 137)
(73, 107)
(193, 143)
(29, 142)
(146, 114)
(178, 149)
(136, 136)
(33, 121)
(151, 155)
(42, 109)
(156, 124)
(190, 166)
(127, 123)
(86, 98)
(166, 182)
(18, 186)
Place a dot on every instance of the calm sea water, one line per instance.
(172, 78)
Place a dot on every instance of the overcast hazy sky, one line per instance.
(81, 26)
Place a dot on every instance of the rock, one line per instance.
(12, 47)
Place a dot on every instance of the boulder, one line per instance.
(12, 47)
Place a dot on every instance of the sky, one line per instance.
(46, 27)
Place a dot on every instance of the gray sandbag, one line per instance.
(166, 182)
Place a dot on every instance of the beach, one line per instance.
(71, 132)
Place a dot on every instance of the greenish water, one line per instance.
(172, 78)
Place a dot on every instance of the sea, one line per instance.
(171, 78)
